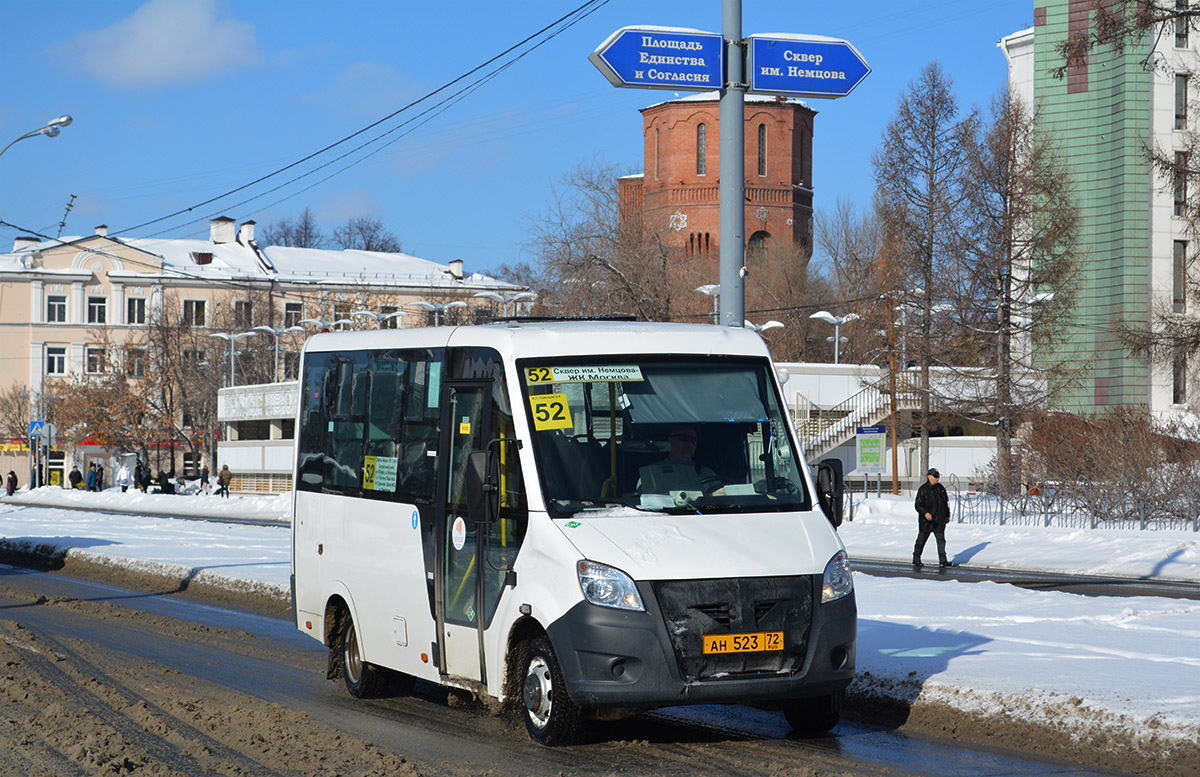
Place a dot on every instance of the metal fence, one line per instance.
(1098, 507)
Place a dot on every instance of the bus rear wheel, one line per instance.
(363, 680)
(816, 716)
(551, 718)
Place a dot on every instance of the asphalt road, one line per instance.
(265, 660)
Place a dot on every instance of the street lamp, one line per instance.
(50, 130)
(713, 290)
(232, 339)
(277, 332)
(437, 308)
(837, 321)
(505, 298)
(763, 327)
(379, 318)
(326, 326)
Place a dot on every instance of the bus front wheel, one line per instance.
(550, 716)
(363, 680)
(816, 716)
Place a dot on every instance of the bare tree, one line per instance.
(15, 412)
(301, 232)
(1013, 286)
(591, 262)
(366, 233)
(919, 170)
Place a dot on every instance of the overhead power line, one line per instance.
(581, 12)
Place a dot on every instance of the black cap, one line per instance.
(934, 472)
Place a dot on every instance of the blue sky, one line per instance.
(178, 101)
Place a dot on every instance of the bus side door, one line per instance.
(466, 420)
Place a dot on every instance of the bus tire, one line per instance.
(816, 716)
(363, 680)
(551, 718)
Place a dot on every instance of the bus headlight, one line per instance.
(838, 580)
(608, 587)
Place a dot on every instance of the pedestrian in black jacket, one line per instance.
(933, 513)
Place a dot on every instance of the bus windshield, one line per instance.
(690, 435)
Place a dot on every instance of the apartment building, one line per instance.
(1107, 112)
(83, 306)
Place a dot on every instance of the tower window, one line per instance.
(1181, 25)
(701, 149)
(762, 150)
(657, 153)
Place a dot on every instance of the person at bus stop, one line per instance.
(679, 471)
(933, 513)
(75, 477)
(224, 478)
(124, 477)
(10, 483)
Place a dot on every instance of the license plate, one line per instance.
(743, 643)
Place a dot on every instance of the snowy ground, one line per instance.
(1075, 663)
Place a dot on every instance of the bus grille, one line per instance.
(692, 609)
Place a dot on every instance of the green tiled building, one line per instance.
(1105, 114)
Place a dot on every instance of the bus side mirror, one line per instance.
(830, 489)
(483, 495)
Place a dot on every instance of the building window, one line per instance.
(756, 246)
(97, 310)
(1179, 379)
(701, 149)
(243, 314)
(1179, 277)
(197, 357)
(292, 313)
(341, 312)
(135, 362)
(96, 360)
(194, 312)
(56, 309)
(1181, 101)
(135, 310)
(1181, 187)
(390, 323)
(56, 360)
(762, 150)
(1181, 25)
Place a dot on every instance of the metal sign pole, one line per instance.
(733, 169)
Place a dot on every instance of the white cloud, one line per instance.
(165, 42)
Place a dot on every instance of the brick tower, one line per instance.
(677, 194)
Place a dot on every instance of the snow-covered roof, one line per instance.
(230, 260)
(715, 96)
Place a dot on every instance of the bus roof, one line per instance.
(557, 338)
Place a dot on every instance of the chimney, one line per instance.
(23, 242)
(246, 233)
(220, 229)
(102, 230)
(456, 270)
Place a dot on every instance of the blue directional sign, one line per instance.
(804, 65)
(662, 58)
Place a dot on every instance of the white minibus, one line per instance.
(580, 519)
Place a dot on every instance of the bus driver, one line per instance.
(679, 471)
